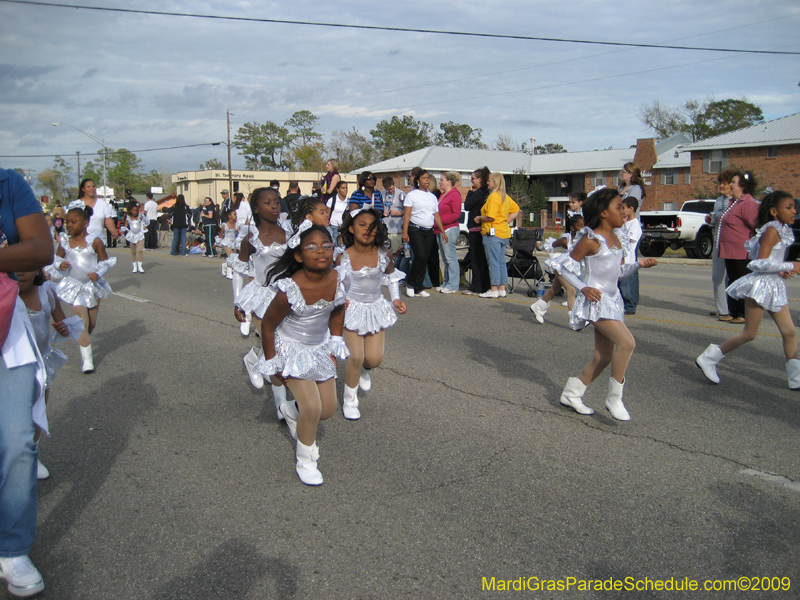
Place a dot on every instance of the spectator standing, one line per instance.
(632, 230)
(22, 379)
(209, 217)
(366, 194)
(102, 214)
(393, 212)
(151, 212)
(632, 184)
(338, 204)
(497, 213)
(330, 181)
(179, 216)
(292, 197)
(449, 211)
(473, 203)
(227, 203)
(718, 278)
(737, 225)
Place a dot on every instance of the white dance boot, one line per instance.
(290, 414)
(227, 272)
(244, 328)
(539, 309)
(134, 267)
(224, 268)
(250, 359)
(365, 381)
(350, 403)
(139, 265)
(793, 373)
(307, 457)
(572, 396)
(86, 355)
(279, 396)
(614, 400)
(708, 360)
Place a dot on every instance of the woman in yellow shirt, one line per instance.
(496, 215)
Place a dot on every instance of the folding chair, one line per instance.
(465, 269)
(523, 265)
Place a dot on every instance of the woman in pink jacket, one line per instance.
(449, 211)
(737, 225)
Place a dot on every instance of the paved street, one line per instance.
(172, 479)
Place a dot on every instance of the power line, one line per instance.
(107, 153)
(394, 29)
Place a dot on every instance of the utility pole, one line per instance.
(79, 167)
(230, 177)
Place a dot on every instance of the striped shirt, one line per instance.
(360, 198)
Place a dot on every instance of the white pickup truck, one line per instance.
(686, 228)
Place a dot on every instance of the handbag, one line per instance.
(9, 289)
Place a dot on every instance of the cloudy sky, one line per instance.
(150, 81)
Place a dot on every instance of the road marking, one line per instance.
(130, 297)
(779, 479)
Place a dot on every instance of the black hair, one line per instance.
(770, 201)
(254, 200)
(483, 173)
(180, 201)
(420, 173)
(340, 184)
(83, 183)
(305, 205)
(274, 182)
(131, 204)
(579, 196)
(149, 195)
(596, 204)
(86, 211)
(362, 178)
(631, 202)
(226, 214)
(39, 278)
(572, 220)
(286, 265)
(348, 238)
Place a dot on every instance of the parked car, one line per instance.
(686, 228)
(463, 230)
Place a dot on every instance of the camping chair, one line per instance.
(465, 270)
(523, 265)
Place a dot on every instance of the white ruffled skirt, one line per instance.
(556, 261)
(369, 318)
(243, 268)
(767, 289)
(53, 361)
(300, 361)
(255, 298)
(135, 238)
(585, 312)
(76, 293)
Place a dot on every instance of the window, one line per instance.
(406, 178)
(772, 152)
(466, 180)
(669, 206)
(614, 179)
(669, 177)
(687, 175)
(715, 161)
(599, 179)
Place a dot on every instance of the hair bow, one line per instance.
(355, 211)
(294, 241)
(597, 189)
(76, 204)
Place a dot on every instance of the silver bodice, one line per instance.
(264, 257)
(365, 284)
(82, 260)
(603, 268)
(307, 324)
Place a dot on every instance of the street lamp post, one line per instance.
(100, 141)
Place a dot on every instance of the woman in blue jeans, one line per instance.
(449, 211)
(29, 248)
(495, 218)
(179, 215)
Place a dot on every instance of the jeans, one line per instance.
(479, 282)
(452, 275)
(423, 244)
(17, 460)
(179, 242)
(629, 288)
(736, 269)
(211, 233)
(495, 249)
(719, 283)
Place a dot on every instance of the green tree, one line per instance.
(458, 135)
(263, 146)
(211, 164)
(55, 179)
(528, 194)
(700, 120)
(400, 136)
(505, 142)
(305, 143)
(550, 149)
(351, 149)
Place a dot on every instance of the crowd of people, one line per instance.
(307, 272)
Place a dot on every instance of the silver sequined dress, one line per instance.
(303, 343)
(368, 311)
(764, 284)
(54, 358)
(76, 288)
(136, 229)
(256, 295)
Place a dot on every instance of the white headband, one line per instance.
(76, 204)
(597, 189)
(294, 241)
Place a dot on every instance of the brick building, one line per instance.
(770, 150)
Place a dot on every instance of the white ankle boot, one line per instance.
(86, 355)
(139, 265)
(244, 328)
(307, 457)
(250, 359)
(279, 396)
(539, 309)
(350, 403)
(708, 360)
(228, 272)
(793, 373)
(365, 381)
(134, 268)
(290, 414)
(572, 396)
(614, 400)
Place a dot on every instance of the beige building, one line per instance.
(196, 185)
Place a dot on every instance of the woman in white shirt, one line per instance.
(338, 203)
(102, 213)
(421, 212)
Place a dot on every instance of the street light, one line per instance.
(94, 139)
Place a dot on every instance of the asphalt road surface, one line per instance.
(171, 477)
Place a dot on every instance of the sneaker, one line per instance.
(438, 288)
(22, 577)
(469, 293)
(565, 303)
(424, 294)
(447, 291)
(41, 471)
(410, 292)
(502, 294)
(725, 318)
(489, 294)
